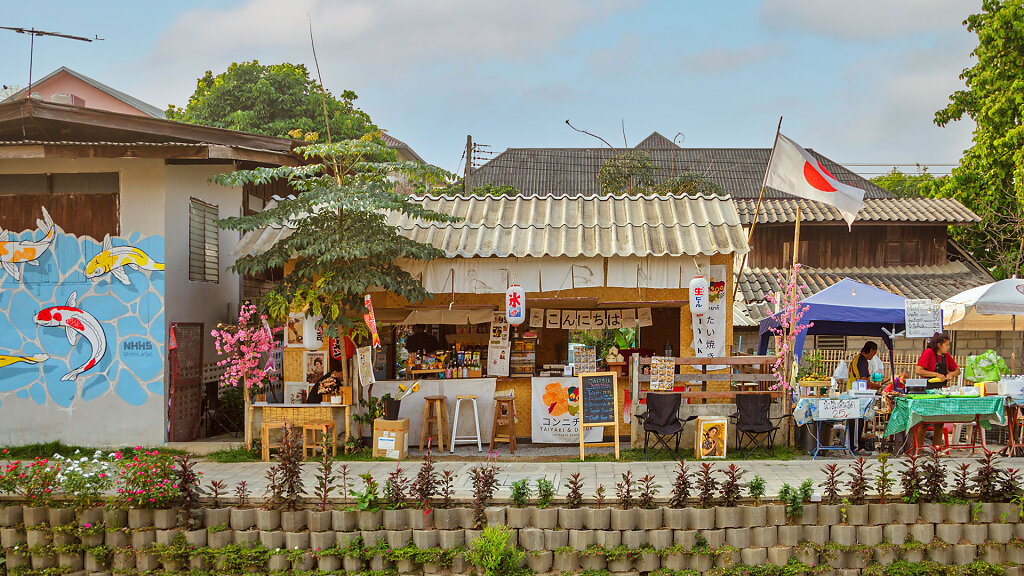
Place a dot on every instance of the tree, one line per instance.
(990, 177)
(625, 172)
(272, 100)
(342, 245)
(906, 185)
(687, 183)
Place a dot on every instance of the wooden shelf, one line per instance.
(475, 339)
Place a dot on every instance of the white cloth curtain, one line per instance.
(655, 271)
(567, 273)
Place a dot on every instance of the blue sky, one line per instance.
(857, 81)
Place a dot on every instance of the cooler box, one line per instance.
(1010, 387)
(391, 438)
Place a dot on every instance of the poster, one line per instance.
(293, 330)
(536, 318)
(585, 360)
(556, 417)
(709, 329)
(643, 317)
(498, 347)
(924, 317)
(314, 366)
(364, 357)
(711, 437)
(663, 372)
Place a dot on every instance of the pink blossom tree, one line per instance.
(790, 311)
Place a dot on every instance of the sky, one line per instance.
(857, 81)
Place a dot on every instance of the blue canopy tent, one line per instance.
(847, 308)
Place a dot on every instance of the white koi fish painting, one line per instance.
(13, 252)
(113, 260)
(76, 322)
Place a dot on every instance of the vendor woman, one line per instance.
(937, 362)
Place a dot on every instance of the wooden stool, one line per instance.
(273, 419)
(504, 415)
(310, 441)
(434, 412)
(455, 424)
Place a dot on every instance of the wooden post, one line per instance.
(791, 372)
(467, 184)
(248, 416)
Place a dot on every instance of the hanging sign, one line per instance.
(370, 321)
(536, 318)
(498, 347)
(923, 317)
(698, 296)
(709, 327)
(598, 400)
(515, 305)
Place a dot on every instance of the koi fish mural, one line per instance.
(6, 360)
(13, 253)
(76, 322)
(113, 260)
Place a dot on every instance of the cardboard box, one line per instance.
(391, 438)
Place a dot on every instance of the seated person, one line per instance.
(421, 341)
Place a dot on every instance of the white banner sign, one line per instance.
(498, 349)
(838, 409)
(555, 418)
(709, 329)
(924, 318)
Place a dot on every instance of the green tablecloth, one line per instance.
(908, 413)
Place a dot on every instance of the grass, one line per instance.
(637, 455)
(242, 454)
(49, 449)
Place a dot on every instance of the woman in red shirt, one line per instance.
(937, 362)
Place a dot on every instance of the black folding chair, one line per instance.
(753, 423)
(662, 421)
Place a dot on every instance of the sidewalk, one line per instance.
(775, 473)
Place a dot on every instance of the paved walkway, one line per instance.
(775, 473)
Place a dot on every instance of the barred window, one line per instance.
(203, 245)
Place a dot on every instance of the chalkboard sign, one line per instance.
(598, 393)
(923, 318)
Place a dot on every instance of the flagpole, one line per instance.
(792, 352)
(757, 210)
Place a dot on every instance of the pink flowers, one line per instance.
(244, 348)
(789, 312)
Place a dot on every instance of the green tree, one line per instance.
(687, 183)
(990, 177)
(626, 172)
(273, 100)
(342, 245)
(906, 185)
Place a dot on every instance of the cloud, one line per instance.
(720, 60)
(865, 20)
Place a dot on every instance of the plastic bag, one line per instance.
(985, 367)
(876, 366)
(842, 371)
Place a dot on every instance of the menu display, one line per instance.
(598, 393)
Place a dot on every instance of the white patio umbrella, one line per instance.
(990, 307)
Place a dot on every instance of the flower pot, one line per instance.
(829, 514)
(960, 513)
(196, 538)
(986, 513)
(344, 520)
(740, 537)
(607, 538)
(90, 516)
(915, 555)
(764, 536)
(676, 518)
(61, 516)
(943, 555)
(397, 538)
(451, 538)
(545, 518)
(418, 518)
(12, 516)
(555, 539)
(243, 518)
(317, 540)
(843, 535)
(371, 537)
(35, 516)
(268, 519)
(565, 562)
(540, 562)
(43, 561)
(906, 513)
(701, 563)
(950, 533)
(164, 537)
(879, 514)
(570, 518)
(647, 562)
(895, 533)
(753, 556)
(993, 555)
(352, 565)
(405, 565)
(885, 556)
(296, 540)
(472, 535)
(975, 533)
(780, 556)
(791, 535)
(754, 516)
(328, 563)
(597, 518)
(293, 521)
(305, 562)
(856, 515)
(869, 535)
(726, 517)
(676, 562)
(648, 519)
(922, 532)
(596, 561)
(518, 517)
(119, 539)
(123, 561)
(16, 560)
(112, 518)
(143, 539)
(72, 561)
(932, 513)
(1001, 533)
(396, 520)
(140, 518)
(623, 519)
(702, 518)
(165, 519)
(810, 514)
(494, 516)
(38, 537)
(90, 540)
(1007, 513)
(391, 407)
(370, 520)
(776, 515)
(425, 539)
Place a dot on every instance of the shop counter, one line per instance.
(412, 405)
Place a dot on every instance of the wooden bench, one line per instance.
(740, 375)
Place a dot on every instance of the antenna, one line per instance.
(32, 32)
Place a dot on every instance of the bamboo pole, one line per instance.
(787, 404)
(757, 210)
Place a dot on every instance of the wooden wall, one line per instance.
(828, 246)
(83, 214)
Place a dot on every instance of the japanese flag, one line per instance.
(794, 171)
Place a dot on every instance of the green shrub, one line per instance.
(493, 554)
(520, 494)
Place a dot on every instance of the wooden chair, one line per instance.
(273, 419)
(504, 415)
(434, 413)
(313, 432)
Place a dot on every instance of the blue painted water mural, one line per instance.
(130, 318)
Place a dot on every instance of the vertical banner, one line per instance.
(709, 329)
(498, 349)
(556, 412)
(365, 364)
(371, 322)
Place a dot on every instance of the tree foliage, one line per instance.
(990, 177)
(273, 100)
(342, 245)
(906, 185)
(687, 183)
(625, 172)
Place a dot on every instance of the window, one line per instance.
(826, 342)
(902, 253)
(203, 245)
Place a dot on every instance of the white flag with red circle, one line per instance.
(795, 171)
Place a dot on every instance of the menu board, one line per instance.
(924, 317)
(598, 394)
(663, 372)
(585, 359)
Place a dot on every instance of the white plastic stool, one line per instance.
(455, 424)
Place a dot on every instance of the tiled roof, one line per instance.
(909, 210)
(394, 143)
(936, 282)
(573, 171)
(604, 226)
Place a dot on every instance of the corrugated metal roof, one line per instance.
(564, 226)
(144, 107)
(74, 143)
(573, 171)
(923, 210)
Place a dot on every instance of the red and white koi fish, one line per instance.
(76, 322)
(25, 251)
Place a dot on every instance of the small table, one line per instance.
(809, 409)
(912, 412)
(299, 414)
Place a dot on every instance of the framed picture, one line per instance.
(314, 366)
(295, 392)
(293, 330)
(711, 437)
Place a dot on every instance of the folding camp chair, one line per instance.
(753, 423)
(662, 421)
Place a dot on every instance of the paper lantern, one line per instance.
(515, 305)
(698, 295)
(311, 340)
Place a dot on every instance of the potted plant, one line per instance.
(346, 519)
(756, 515)
(396, 493)
(676, 515)
(597, 518)
(623, 518)
(518, 516)
(648, 516)
(368, 503)
(703, 518)
(570, 516)
(445, 516)
(882, 514)
(544, 516)
(565, 560)
(320, 520)
(857, 511)
(728, 515)
(391, 405)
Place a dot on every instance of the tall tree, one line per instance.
(342, 245)
(273, 100)
(990, 177)
(906, 185)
